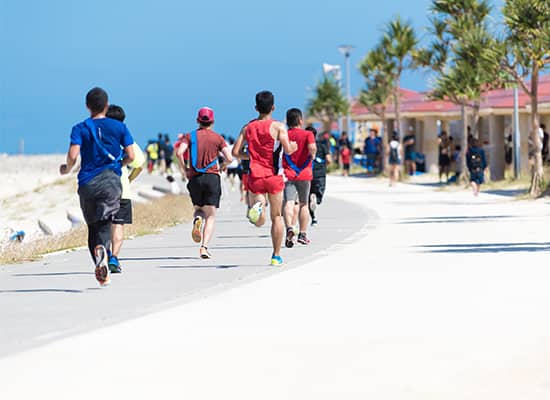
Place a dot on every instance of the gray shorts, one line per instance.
(297, 191)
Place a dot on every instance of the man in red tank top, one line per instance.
(266, 139)
(298, 171)
(204, 184)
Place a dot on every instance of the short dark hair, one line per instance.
(543, 126)
(293, 117)
(264, 101)
(97, 100)
(312, 130)
(116, 112)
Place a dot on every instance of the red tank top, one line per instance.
(264, 151)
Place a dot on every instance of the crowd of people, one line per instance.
(282, 173)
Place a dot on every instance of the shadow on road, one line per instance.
(455, 219)
(225, 266)
(55, 274)
(486, 248)
(41, 291)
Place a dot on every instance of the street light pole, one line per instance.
(346, 51)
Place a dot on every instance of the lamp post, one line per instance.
(516, 140)
(345, 50)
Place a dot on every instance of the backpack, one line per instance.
(476, 162)
(394, 154)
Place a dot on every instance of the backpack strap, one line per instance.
(93, 130)
(297, 170)
(193, 154)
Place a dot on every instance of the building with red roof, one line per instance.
(427, 118)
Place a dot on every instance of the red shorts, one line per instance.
(272, 184)
(245, 178)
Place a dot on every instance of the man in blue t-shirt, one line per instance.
(104, 145)
(372, 149)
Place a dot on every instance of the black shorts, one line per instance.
(205, 190)
(124, 214)
(346, 166)
(318, 185)
(232, 171)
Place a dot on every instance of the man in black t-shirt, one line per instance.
(318, 183)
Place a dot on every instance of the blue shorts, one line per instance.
(477, 177)
(410, 156)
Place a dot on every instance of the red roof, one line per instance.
(412, 101)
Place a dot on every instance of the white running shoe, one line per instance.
(101, 266)
(313, 202)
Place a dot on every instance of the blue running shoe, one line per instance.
(276, 260)
(114, 265)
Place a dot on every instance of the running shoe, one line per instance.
(255, 212)
(204, 253)
(114, 265)
(276, 260)
(303, 239)
(314, 222)
(196, 233)
(313, 202)
(289, 241)
(101, 268)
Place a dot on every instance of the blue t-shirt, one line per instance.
(113, 134)
(372, 145)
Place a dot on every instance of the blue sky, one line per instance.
(162, 60)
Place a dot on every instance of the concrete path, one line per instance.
(446, 299)
(59, 296)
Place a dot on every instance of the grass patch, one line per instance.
(148, 218)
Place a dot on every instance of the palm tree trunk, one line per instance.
(384, 139)
(537, 178)
(464, 115)
(475, 128)
(397, 105)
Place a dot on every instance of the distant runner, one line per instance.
(204, 176)
(104, 145)
(266, 140)
(298, 172)
(124, 214)
(318, 183)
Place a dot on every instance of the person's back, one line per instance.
(320, 163)
(207, 148)
(111, 135)
(264, 151)
(297, 167)
(394, 152)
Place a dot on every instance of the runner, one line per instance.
(318, 183)
(124, 214)
(104, 145)
(298, 172)
(394, 158)
(204, 176)
(266, 139)
(232, 169)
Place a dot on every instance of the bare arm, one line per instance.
(312, 147)
(135, 173)
(130, 155)
(72, 156)
(238, 147)
(279, 132)
(181, 151)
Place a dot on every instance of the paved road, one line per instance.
(447, 298)
(58, 296)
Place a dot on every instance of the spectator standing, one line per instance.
(476, 162)
(409, 142)
(444, 155)
(372, 150)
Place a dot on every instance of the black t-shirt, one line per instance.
(409, 148)
(320, 161)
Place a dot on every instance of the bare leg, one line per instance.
(277, 225)
(210, 218)
(289, 213)
(304, 217)
(118, 237)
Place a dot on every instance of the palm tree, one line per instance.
(458, 54)
(377, 67)
(399, 42)
(328, 103)
(524, 54)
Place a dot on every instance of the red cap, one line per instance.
(205, 115)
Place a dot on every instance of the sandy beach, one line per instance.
(33, 191)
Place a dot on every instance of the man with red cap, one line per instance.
(203, 173)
